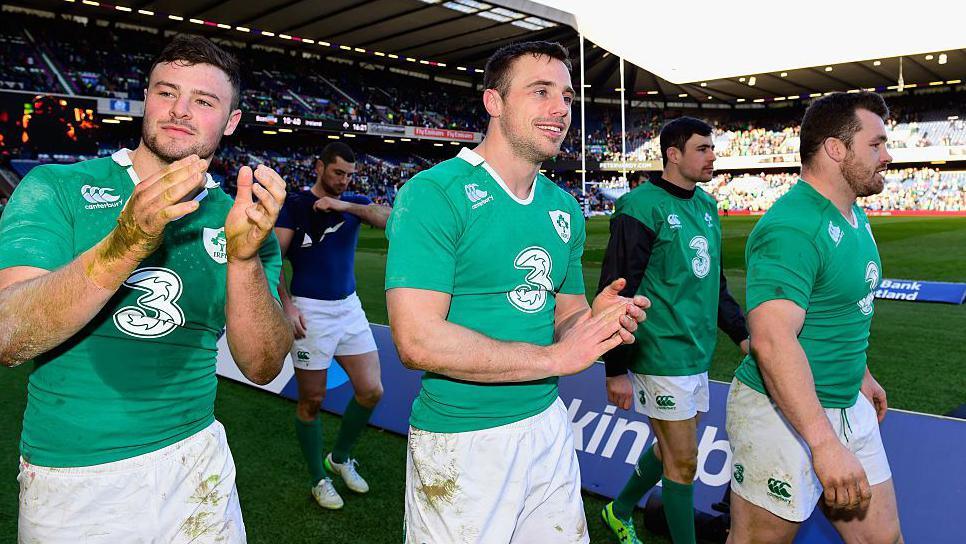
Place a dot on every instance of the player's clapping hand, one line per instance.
(329, 204)
(586, 341)
(636, 307)
(156, 201)
(249, 223)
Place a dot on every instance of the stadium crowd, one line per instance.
(905, 189)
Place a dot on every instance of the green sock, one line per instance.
(647, 472)
(355, 418)
(309, 434)
(679, 510)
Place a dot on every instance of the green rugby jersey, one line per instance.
(805, 251)
(141, 374)
(456, 228)
(680, 274)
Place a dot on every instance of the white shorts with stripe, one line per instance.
(333, 327)
(670, 398)
(772, 464)
(517, 483)
(183, 493)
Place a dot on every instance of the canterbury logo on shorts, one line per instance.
(779, 489)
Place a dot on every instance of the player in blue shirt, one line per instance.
(318, 230)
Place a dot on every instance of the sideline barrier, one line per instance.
(925, 451)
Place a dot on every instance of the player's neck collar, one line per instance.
(122, 157)
(679, 192)
(475, 159)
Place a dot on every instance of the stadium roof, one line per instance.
(745, 59)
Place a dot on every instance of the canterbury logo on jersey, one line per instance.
(779, 489)
(664, 402)
(674, 221)
(835, 233)
(99, 197)
(476, 195)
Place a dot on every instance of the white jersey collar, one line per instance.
(123, 158)
(474, 159)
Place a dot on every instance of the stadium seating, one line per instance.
(97, 59)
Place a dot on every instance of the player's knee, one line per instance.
(308, 408)
(370, 397)
(682, 468)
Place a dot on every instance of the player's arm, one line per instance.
(41, 308)
(376, 215)
(427, 341)
(293, 314)
(775, 326)
(731, 319)
(875, 393)
(627, 255)
(259, 334)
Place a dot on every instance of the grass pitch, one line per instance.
(916, 353)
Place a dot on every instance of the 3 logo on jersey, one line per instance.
(531, 297)
(701, 263)
(157, 312)
(872, 278)
(99, 197)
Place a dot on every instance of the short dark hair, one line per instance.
(676, 133)
(336, 149)
(833, 116)
(496, 75)
(190, 50)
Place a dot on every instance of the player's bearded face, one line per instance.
(536, 109)
(187, 109)
(867, 157)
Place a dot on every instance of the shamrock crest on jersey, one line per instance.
(561, 223)
(214, 240)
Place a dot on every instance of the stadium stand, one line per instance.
(101, 60)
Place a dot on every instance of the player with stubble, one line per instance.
(485, 293)
(803, 409)
(117, 277)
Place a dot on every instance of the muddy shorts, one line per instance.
(516, 483)
(181, 493)
(771, 463)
